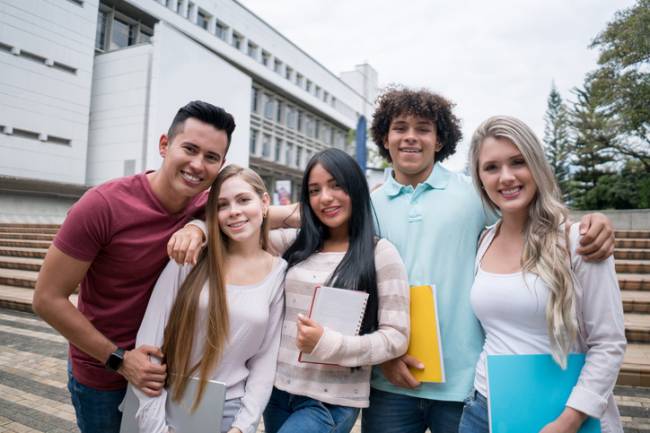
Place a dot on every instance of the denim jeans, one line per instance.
(96, 410)
(475, 415)
(289, 413)
(396, 413)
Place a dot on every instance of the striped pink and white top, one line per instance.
(339, 384)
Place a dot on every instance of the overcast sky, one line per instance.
(489, 57)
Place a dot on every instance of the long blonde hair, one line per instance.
(545, 251)
(179, 333)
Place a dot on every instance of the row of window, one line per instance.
(280, 111)
(279, 150)
(37, 58)
(116, 30)
(189, 10)
(34, 135)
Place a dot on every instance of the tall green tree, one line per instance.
(594, 138)
(557, 140)
(621, 84)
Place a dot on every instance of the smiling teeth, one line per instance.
(510, 191)
(237, 225)
(190, 177)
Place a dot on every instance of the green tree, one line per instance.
(557, 139)
(594, 138)
(621, 84)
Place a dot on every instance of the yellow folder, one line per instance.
(425, 343)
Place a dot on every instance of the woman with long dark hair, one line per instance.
(336, 245)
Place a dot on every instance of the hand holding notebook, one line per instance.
(340, 310)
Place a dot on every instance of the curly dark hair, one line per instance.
(396, 101)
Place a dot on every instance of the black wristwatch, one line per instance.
(114, 362)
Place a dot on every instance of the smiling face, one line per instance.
(329, 202)
(241, 210)
(505, 176)
(412, 143)
(192, 160)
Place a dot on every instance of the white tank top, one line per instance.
(512, 311)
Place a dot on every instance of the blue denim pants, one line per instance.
(475, 415)
(96, 410)
(290, 413)
(397, 413)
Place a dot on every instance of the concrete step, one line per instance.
(636, 366)
(30, 226)
(631, 254)
(23, 243)
(23, 263)
(634, 281)
(636, 301)
(20, 298)
(50, 231)
(633, 243)
(633, 266)
(29, 236)
(36, 253)
(638, 234)
(637, 328)
(18, 278)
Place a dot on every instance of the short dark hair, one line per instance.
(205, 112)
(397, 101)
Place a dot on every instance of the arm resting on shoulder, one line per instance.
(597, 241)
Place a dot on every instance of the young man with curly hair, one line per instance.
(434, 217)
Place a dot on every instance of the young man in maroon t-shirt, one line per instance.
(113, 244)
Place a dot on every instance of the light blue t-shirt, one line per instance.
(435, 228)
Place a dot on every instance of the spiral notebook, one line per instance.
(340, 310)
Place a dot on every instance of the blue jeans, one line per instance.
(396, 413)
(289, 413)
(96, 410)
(475, 415)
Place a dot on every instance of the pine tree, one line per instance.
(556, 137)
(592, 146)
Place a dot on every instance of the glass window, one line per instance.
(269, 106)
(299, 79)
(202, 20)
(300, 121)
(278, 149)
(288, 72)
(221, 30)
(190, 10)
(237, 40)
(252, 50)
(317, 128)
(308, 86)
(179, 4)
(278, 112)
(288, 153)
(144, 36)
(265, 58)
(317, 92)
(266, 146)
(255, 97)
(100, 34)
(298, 157)
(291, 117)
(309, 126)
(277, 66)
(122, 34)
(253, 143)
(326, 96)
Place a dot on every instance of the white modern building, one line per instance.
(88, 86)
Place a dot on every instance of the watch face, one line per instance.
(115, 360)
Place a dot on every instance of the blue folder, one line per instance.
(526, 392)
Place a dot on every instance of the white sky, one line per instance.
(490, 57)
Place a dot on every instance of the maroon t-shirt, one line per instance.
(123, 229)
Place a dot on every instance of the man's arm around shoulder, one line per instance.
(60, 275)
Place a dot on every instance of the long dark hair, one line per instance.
(356, 271)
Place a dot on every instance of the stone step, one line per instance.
(36, 253)
(635, 370)
(637, 328)
(631, 254)
(29, 236)
(20, 298)
(29, 226)
(43, 230)
(633, 243)
(23, 263)
(633, 266)
(634, 281)
(18, 278)
(636, 301)
(638, 234)
(23, 243)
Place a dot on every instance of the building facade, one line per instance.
(89, 86)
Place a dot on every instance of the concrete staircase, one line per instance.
(23, 246)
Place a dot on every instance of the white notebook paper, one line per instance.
(340, 310)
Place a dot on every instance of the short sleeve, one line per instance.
(87, 227)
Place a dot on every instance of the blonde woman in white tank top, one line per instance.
(528, 291)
